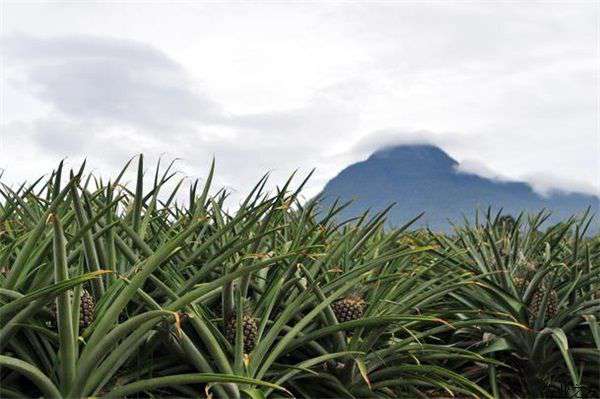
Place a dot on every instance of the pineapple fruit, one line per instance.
(349, 308)
(86, 310)
(536, 303)
(249, 331)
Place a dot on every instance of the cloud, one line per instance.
(64, 49)
(62, 136)
(542, 183)
(111, 99)
(318, 122)
(111, 81)
(390, 137)
(472, 166)
(547, 184)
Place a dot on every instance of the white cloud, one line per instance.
(470, 166)
(110, 81)
(546, 184)
(115, 98)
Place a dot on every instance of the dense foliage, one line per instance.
(120, 292)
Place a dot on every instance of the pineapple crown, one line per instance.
(248, 307)
(357, 295)
(247, 310)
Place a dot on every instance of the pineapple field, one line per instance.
(118, 290)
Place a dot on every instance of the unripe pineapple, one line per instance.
(86, 310)
(249, 331)
(536, 303)
(349, 308)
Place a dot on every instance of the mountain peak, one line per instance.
(416, 155)
(423, 178)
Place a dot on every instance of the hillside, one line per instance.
(424, 178)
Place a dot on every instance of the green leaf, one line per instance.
(363, 371)
(32, 373)
(174, 380)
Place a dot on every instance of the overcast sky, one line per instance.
(508, 89)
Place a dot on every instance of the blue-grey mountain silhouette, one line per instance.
(423, 178)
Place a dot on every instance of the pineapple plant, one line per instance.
(349, 308)
(439, 324)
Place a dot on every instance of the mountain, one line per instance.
(423, 178)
